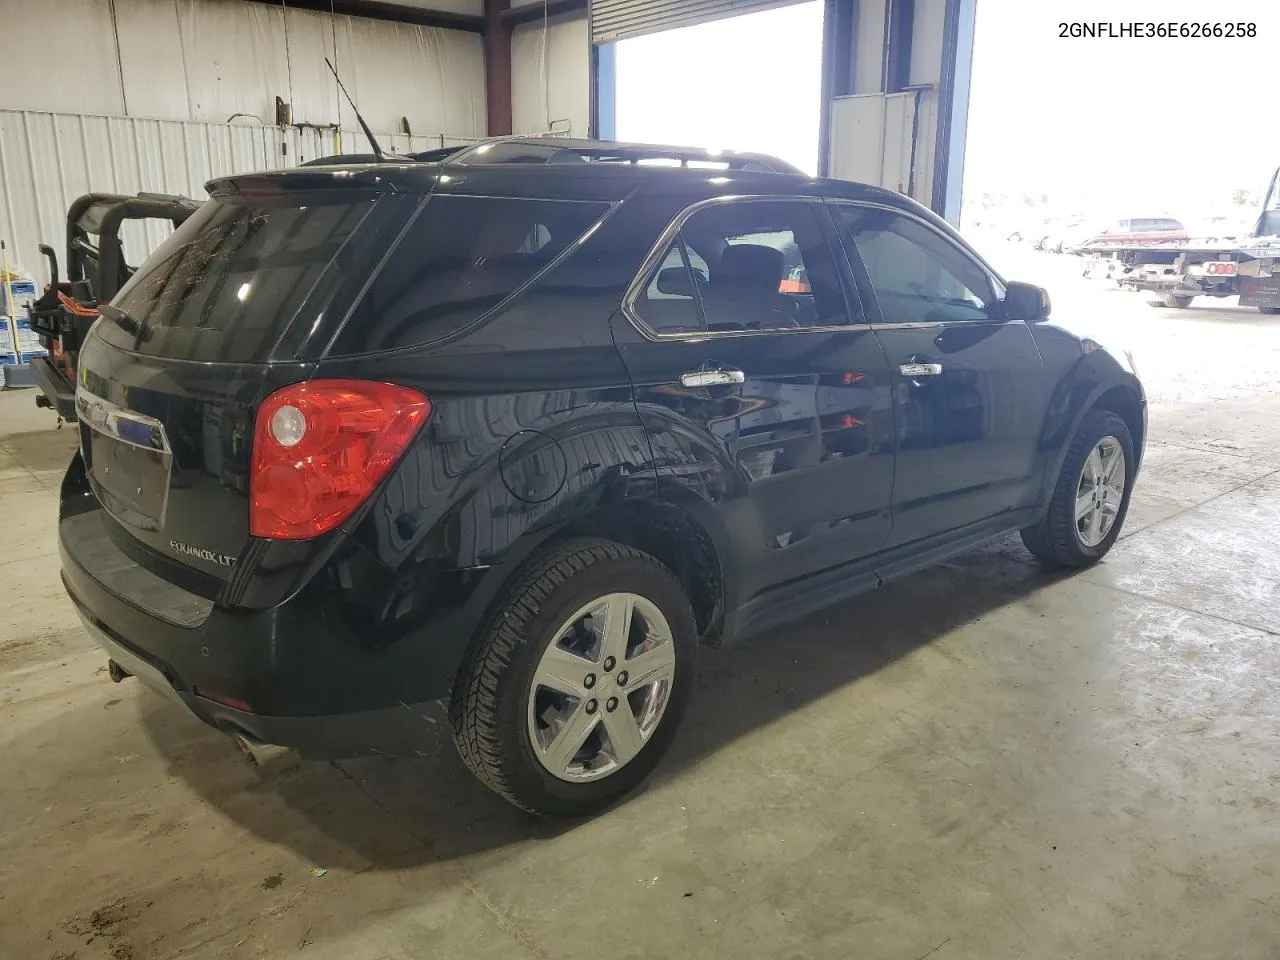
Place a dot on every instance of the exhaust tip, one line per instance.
(116, 672)
(262, 754)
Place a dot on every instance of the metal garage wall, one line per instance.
(871, 140)
(551, 77)
(910, 140)
(208, 59)
(613, 20)
(49, 159)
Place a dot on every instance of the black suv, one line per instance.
(520, 425)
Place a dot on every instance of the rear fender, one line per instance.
(445, 531)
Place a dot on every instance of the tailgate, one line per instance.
(237, 303)
(166, 452)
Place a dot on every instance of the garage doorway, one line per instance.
(750, 82)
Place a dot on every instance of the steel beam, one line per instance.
(899, 25)
(953, 108)
(497, 66)
(838, 19)
(535, 12)
(382, 10)
(604, 91)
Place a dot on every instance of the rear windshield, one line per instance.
(230, 280)
(460, 258)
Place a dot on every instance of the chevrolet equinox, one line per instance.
(520, 425)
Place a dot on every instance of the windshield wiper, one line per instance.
(127, 322)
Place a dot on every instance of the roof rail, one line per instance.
(548, 150)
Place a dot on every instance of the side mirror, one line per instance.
(1026, 301)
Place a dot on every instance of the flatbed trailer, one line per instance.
(1178, 271)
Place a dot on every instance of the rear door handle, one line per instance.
(696, 379)
(920, 369)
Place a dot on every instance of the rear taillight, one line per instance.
(319, 449)
(1221, 268)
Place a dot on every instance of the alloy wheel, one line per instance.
(1100, 491)
(601, 687)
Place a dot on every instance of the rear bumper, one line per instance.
(295, 675)
(400, 731)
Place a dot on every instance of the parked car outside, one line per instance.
(1138, 231)
(1066, 233)
(521, 436)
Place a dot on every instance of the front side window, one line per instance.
(917, 274)
(747, 265)
(460, 258)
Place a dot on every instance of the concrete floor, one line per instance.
(982, 761)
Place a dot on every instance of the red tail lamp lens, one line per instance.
(319, 449)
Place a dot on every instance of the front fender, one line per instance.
(1095, 374)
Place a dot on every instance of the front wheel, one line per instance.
(1091, 497)
(579, 681)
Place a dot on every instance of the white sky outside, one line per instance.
(1120, 127)
(1127, 126)
(746, 83)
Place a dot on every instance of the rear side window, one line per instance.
(746, 265)
(229, 281)
(460, 258)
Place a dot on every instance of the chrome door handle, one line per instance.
(696, 379)
(920, 369)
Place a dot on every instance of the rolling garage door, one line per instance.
(613, 20)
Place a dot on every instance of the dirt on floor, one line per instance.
(984, 760)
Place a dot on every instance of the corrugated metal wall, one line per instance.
(146, 104)
(49, 159)
(551, 77)
(208, 59)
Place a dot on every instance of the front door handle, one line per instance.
(920, 369)
(699, 379)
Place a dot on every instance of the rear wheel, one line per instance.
(1091, 497)
(1271, 310)
(1171, 301)
(580, 680)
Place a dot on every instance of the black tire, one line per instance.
(1170, 301)
(1269, 310)
(488, 709)
(1055, 539)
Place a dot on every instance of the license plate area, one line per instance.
(129, 461)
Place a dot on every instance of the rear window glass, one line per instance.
(460, 258)
(228, 282)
